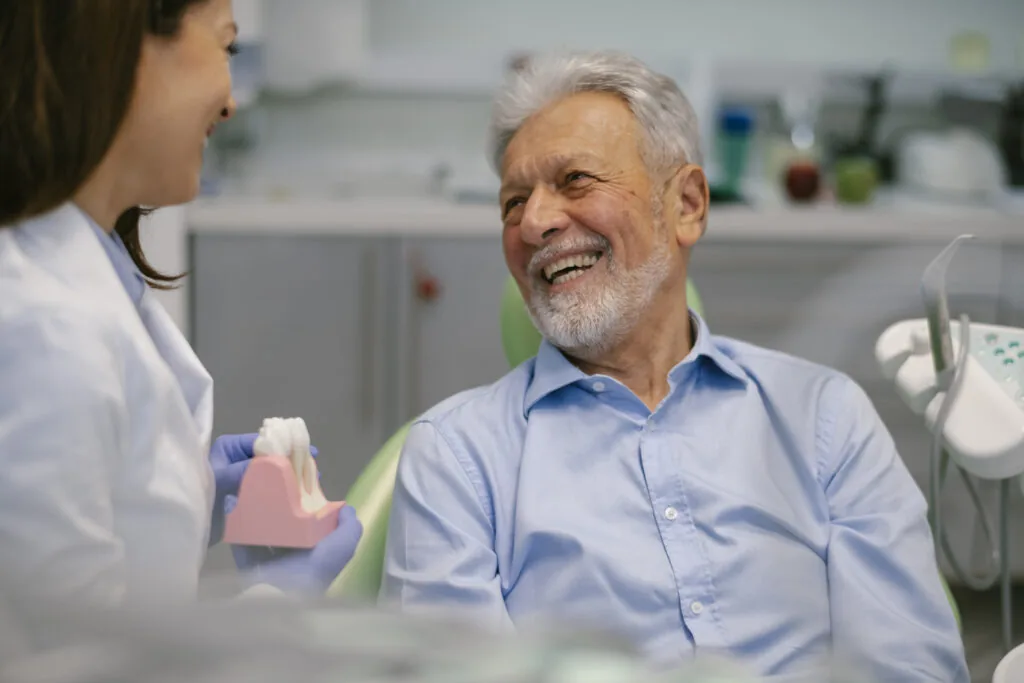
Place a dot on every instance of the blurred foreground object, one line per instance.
(285, 640)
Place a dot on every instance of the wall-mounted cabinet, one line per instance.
(295, 47)
(313, 42)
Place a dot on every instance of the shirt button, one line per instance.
(599, 386)
(671, 513)
(697, 607)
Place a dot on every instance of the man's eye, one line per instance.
(512, 203)
(576, 176)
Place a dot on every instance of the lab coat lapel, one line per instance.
(195, 382)
(193, 379)
(64, 243)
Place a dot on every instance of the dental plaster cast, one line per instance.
(280, 503)
(289, 438)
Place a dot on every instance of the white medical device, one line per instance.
(967, 381)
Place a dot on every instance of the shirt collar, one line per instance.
(553, 371)
(127, 272)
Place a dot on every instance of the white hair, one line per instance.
(666, 118)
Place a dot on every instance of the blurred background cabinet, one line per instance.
(294, 326)
(449, 338)
(356, 334)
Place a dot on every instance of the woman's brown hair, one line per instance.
(67, 74)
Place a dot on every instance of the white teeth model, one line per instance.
(290, 439)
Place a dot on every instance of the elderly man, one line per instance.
(692, 492)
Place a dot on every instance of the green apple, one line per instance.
(856, 179)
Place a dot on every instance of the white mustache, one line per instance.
(553, 251)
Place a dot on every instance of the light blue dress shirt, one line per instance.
(761, 512)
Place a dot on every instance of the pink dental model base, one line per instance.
(269, 510)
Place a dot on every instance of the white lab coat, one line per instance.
(105, 420)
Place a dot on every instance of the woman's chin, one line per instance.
(173, 194)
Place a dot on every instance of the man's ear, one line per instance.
(689, 187)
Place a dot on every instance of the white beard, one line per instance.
(596, 317)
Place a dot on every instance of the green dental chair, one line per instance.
(371, 493)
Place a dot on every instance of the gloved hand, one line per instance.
(229, 458)
(301, 571)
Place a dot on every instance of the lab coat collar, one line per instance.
(127, 272)
(65, 245)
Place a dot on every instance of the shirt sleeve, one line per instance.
(440, 549)
(891, 618)
(62, 420)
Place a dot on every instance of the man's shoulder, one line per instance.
(482, 429)
(822, 390)
(494, 405)
(766, 364)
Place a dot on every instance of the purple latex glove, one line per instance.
(301, 571)
(229, 458)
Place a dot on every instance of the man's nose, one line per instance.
(544, 217)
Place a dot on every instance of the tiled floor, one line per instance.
(982, 626)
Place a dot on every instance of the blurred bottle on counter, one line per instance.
(859, 164)
(732, 146)
(1011, 132)
(793, 159)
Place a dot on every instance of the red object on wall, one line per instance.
(427, 287)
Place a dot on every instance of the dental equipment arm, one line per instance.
(936, 305)
(972, 403)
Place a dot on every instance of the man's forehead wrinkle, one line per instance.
(533, 167)
(543, 166)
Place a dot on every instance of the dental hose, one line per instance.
(940, 461)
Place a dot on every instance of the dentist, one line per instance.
(110, 491)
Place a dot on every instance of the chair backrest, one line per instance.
(371, 497)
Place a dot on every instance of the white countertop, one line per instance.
(899, 221)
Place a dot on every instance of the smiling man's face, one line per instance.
(584, 234)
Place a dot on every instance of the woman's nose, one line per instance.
(229, 110)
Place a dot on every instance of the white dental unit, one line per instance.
(967, 380)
